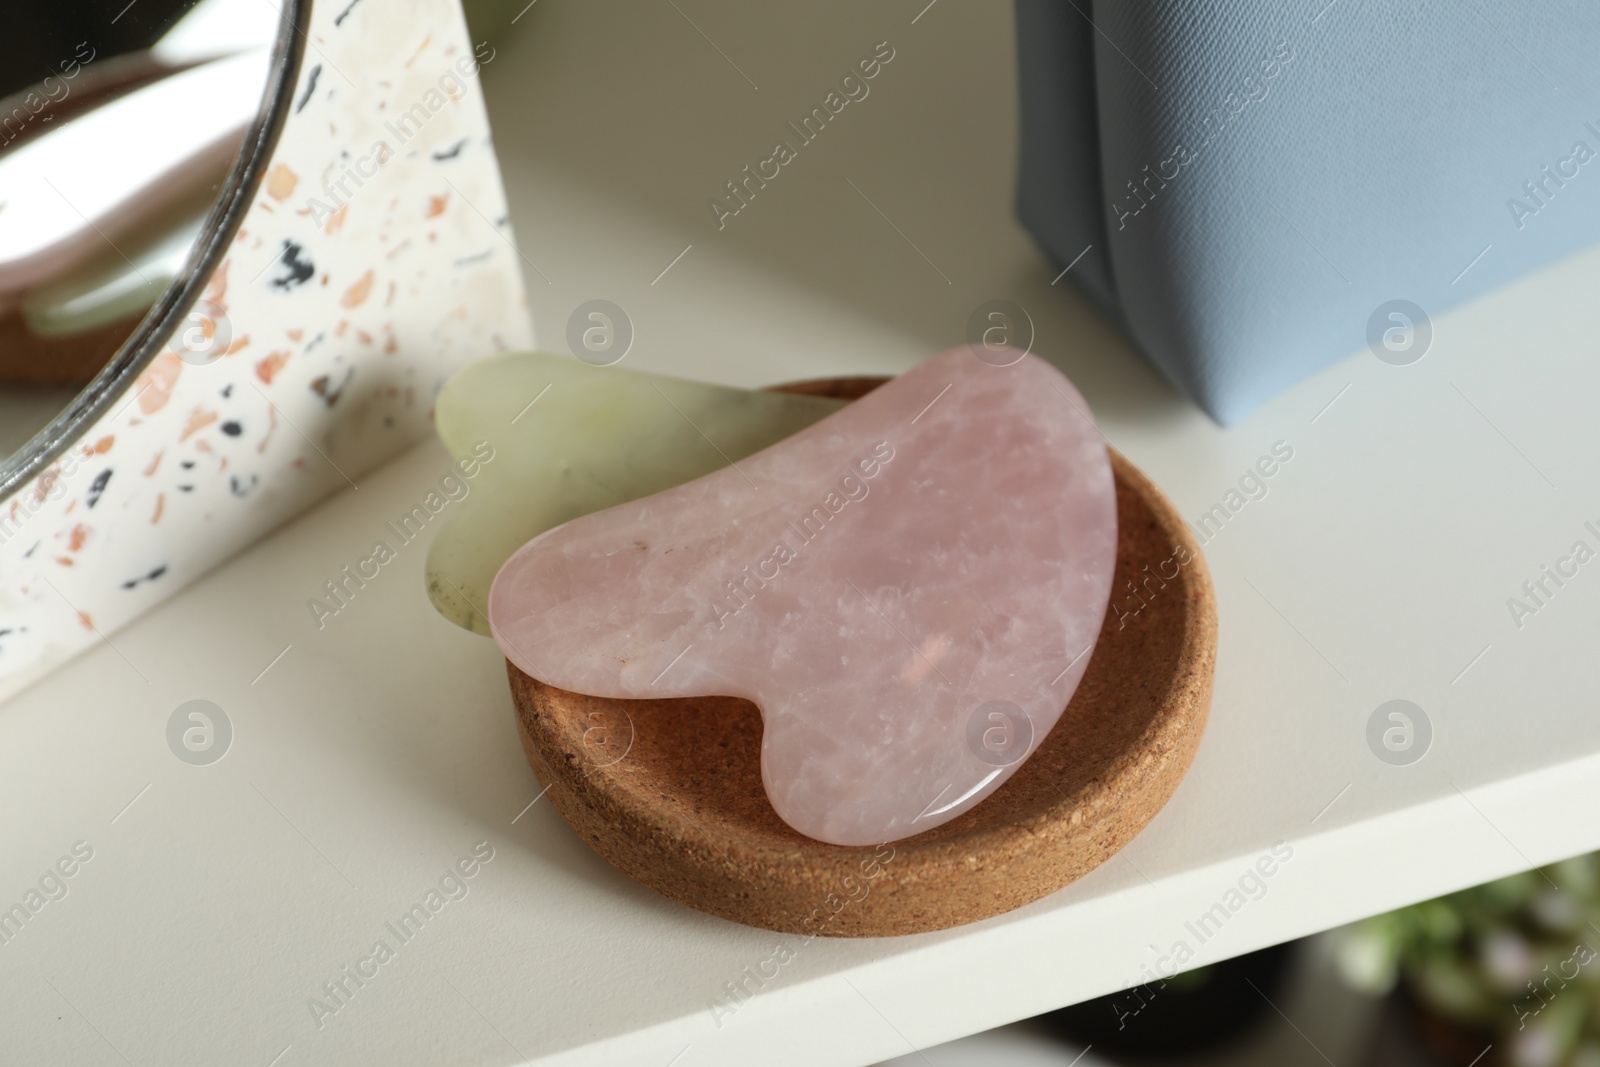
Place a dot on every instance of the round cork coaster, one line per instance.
(669, 791)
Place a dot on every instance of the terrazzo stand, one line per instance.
(376, 258)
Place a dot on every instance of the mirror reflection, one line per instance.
(118, 124)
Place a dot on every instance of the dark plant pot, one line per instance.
(1192, 1013)
(1439, 1041)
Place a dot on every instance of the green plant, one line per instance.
(1514, 959)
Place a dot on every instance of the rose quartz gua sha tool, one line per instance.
(909, 590)
(670, 791)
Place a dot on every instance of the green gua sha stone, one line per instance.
(568, 439)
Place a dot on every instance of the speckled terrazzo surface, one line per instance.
(375, 261)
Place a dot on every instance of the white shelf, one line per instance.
(377, 751)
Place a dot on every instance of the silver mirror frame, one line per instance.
(161, 322)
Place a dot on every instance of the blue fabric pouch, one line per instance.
(1253, 189)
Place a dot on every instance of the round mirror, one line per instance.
(133, 134)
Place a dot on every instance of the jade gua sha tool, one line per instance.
(930, 563)
(570, 438)
(670, 789)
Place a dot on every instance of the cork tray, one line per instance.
(670, 793)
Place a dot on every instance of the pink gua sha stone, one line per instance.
(908, 590)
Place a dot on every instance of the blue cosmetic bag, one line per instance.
(1253, 189)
